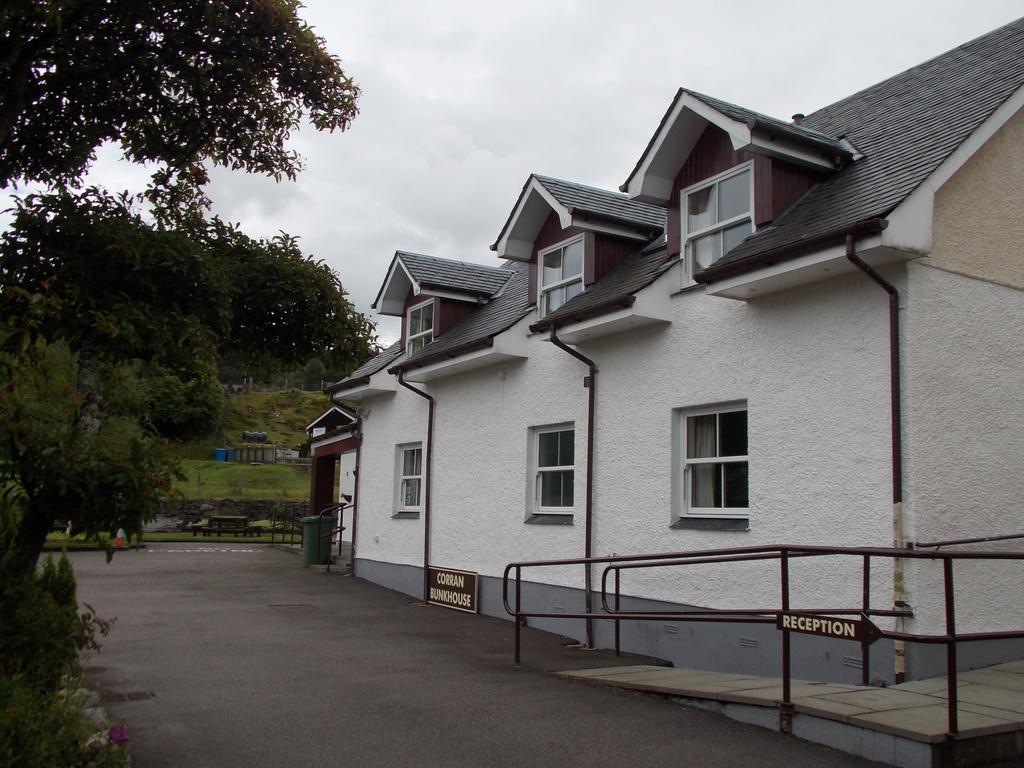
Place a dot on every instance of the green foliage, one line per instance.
(176, 83)
(42, 729)
(231, 480)
(112, 323)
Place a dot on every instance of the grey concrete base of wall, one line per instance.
(752, 649)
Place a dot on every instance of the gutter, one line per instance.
(619, 302)
(790, 250)
(898, 594)
(590, 383)
(349, 384)
(426, 483)
(447, 354)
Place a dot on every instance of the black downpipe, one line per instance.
(426, 485)
(894, 365)
(590, 383)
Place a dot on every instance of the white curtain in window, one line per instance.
(704, 475)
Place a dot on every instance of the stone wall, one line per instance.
(254, 509)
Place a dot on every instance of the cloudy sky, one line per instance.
(463, 100)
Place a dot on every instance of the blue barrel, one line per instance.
(220, 454)
(232, 454)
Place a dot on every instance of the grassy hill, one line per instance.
(208, 479)
(282, 415)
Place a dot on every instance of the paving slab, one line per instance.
(828, 708)
(990, 696)
(772, 694)
(931, 723)
(882, 699)
(995, 678)
(1017, 667)
(930, 687)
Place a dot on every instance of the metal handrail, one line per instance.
(783, 553)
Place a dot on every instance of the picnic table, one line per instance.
(237, 525)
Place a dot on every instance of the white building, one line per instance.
(735, 300)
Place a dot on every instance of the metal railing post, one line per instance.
(786, 705)
(951, 692)
(518, 618)
(865, 646)
(618, 649)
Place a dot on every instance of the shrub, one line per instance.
(43, 729)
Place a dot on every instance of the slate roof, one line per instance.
(603, 203)
(498, 315)
(459, 276)
(367, 369)
(630, 275)
(771, 124)
(905, 127)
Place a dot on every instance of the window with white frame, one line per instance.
(409, 491)
(420, 329)
(717, 216)
(714, 465)
(561, 275)
(554, 470)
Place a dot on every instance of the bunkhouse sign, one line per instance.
(860, 630)
(453, 589)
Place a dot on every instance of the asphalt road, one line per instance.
(237, 656)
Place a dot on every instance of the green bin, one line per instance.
(316, 540)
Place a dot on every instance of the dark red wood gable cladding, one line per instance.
(600, 252)
(447, 313)
(777, 185)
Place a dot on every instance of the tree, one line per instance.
(113, 319)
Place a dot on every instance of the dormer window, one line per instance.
(420, 330)
(561, 274)
(717, 216)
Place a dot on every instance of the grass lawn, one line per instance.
(233, 480)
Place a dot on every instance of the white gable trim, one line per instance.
(910, 224)
(514, 244)
(653, 177)
(388, 304)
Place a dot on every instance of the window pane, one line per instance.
(707, 250)
(733, 236)
(732, 429)
(566, 448)
(427, 317)
(736, 484)
(547, 449)
(572, 263)
(734, 196)
(411, 462)
(705, 485)
(556, 489)
(411, 492)
(552, 267)
(554, 299)
(573, 289)
(700, 209)
(415, 323)
(700, 437)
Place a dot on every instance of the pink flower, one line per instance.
(118, 734)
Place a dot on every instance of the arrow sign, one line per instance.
(859, 630)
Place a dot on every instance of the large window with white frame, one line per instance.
(554, 469)
(419, 330)
(714, 466)
(408, 478)
(717, 215)
(561, 274)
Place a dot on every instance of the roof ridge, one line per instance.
(705, 97)
(449, 261)
(622, 197)
(920, 66)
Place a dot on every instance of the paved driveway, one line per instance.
(235, 655)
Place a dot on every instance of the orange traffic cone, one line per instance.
(119, 539)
